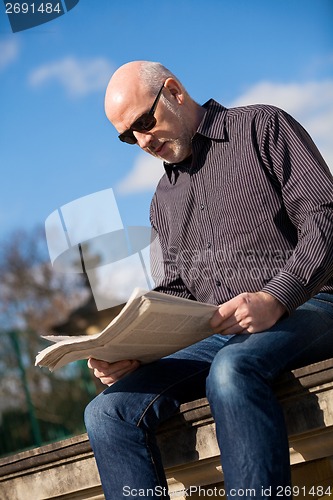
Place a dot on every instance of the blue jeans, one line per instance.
(236, 373)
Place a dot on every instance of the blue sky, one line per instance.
(56, 144)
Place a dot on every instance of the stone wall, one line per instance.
(67, 470)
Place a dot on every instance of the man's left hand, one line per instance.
(247, 313)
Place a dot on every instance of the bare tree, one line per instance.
(32, 299)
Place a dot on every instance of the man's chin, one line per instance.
(170, 155)
(166, 156)
(155, 155)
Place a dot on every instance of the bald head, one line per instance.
(134, 81)
(130, 95)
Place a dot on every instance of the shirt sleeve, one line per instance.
(164, 270)
(306, 186)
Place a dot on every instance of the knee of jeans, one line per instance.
(106, 407)
(93, 415)
(228, 371)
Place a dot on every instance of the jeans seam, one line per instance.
(165, 390)
(157, 476)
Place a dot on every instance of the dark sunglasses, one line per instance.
(144, 123)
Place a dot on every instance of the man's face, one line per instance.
(170, 138)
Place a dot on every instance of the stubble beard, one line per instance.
(181, 147)
(178, 149)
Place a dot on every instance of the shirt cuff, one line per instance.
(288, 290)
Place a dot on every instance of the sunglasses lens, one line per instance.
(127, 137)
(144, 123)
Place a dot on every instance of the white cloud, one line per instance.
(9, 50)
(311, 103)
(144, 176)
(78, 77)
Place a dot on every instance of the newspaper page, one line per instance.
(150, 326)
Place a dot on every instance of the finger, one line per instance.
(126, 369)
(107, 381)
(115, 370)
(234, 330)
(105, 365)
(111, 379)
(223, 313)
(225, 324)
(97, 363)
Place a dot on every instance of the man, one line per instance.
(244, 216)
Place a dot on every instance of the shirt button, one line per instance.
(202, 206)
(209, 244)
(218, 283)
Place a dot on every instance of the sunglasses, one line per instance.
(144, 123)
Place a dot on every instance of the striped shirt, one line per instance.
(252, 209)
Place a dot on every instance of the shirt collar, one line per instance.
(172, 169)
(212, 126)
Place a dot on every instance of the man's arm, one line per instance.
(306, 186)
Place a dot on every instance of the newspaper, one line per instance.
(150, 326)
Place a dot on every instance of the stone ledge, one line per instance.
(306, 395)
(66, 469)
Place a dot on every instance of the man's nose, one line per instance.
(144, 139)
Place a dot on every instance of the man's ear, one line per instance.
(175, 89)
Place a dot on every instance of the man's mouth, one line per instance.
(158, 150)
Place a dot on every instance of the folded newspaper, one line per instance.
(150, 326)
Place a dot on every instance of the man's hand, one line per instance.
(109, 373)
(247, 313)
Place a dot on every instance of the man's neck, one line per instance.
(199, 113)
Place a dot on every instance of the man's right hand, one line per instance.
(109, 373)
